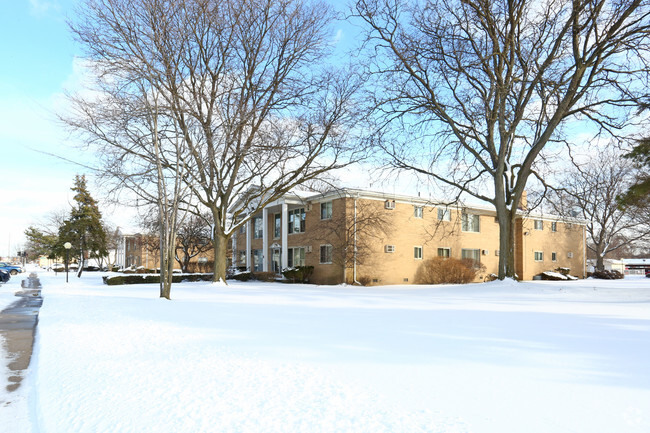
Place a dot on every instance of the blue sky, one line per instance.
(38, 63)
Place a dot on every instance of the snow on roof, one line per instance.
(636, 261)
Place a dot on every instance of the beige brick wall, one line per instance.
(405, 231)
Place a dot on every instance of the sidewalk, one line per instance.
(18, 323)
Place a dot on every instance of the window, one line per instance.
(444, 252)
(296, 257)
(277, 225)
(444, 215)
(326, 210)
(471, 223)
(418, 211)
(389, 248)
(389, 204)
(554, 256)
(539, 225)
(242, 229)
(539, 256)
(325, 254)
(242, 257)
(417, 253)
(554, 226)
(472, 255)
(297, 220)
(257, 260)
(257, 228)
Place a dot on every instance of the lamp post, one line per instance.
(67, 247)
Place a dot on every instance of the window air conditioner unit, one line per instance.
(308, 249)
(485, 252)
(389, 204)
(389, 248)
(570, 255)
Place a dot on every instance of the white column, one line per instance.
(285, 236)
(265, 239)
(249, 236)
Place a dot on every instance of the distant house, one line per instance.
(610, 265)
(349, 234)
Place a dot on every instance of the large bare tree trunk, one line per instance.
(220, 243)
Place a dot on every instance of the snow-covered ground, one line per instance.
(258, 357)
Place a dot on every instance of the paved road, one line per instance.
(18, 326)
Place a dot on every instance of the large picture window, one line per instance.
(297, 220)
(296, 257)
(471, 223)
(471, 254)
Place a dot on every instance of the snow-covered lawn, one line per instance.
(502, 357)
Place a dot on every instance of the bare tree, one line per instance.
(589, 191)
(194, 238)
(245, 84)
(477, 89)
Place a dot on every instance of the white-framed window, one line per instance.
(554, 256)
(389, 248)
(326, 210)
(297, 220)
(257, 260)
(417, 253)
(325, 254)
(471, 222)
(444, 214)
(277, 225)
(389, 204)
(296, 256)
(554, 226)
(539, 256)
(444, 252)
(257, 228)
(418, 211)
(539, 225)
(472, 254)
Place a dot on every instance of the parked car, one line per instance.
(647, 273)
(13, 270)
(4, 276)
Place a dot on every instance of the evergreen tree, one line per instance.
(40, 243)
(84, 229)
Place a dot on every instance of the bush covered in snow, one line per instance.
(299, 274)
(441, 270)
(608, 275)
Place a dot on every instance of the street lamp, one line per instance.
(67, 247)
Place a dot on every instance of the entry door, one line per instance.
(275, 260)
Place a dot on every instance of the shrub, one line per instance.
(563, 271)
(299, 274)
(608, 275)
(265, 276)
(441, 270)
(365, 280)
(241, 276)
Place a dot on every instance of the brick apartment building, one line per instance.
(351, 234)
